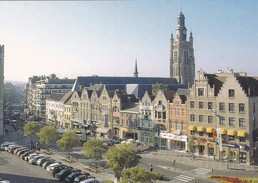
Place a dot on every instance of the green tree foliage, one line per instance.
(191, 144)
(122, 156)
(47, 135)
(68, 141)
(137, 175)
(31, 129)
(94, 149)
(158, 86)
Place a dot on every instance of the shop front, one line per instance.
(178, 142)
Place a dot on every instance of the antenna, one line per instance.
(180, 5)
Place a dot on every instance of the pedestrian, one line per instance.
(214, 156)
(174, 163)
(151, 168)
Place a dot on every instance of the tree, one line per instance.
(137, 175)
(191, 145)
(31, 129)
(94, 149)
(68, 141)
(122, 156)
(48, 135)
(158, 86)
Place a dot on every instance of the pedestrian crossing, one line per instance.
(184, 178)
(202, 171)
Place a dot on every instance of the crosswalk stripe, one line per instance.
(201, 171)
(184, 178)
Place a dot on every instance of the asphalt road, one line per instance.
(16, 170)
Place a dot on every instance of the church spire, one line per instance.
(135, 69)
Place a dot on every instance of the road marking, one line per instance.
(184, 178)
(202, 171)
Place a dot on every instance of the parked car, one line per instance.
(4, 181)
(27, 158)
(90, 180)
(81, 178)
(33, 159)
(42, 160)
(21, 152)
(47, 163)
(25, 154)
(72, 176)
(52, 165)
(18, 149)
(61, 175)
(57, 169)
(12, 149)
(5, 144)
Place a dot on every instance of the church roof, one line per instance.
(86, 81)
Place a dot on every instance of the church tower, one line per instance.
(1, 89)
(182, 64)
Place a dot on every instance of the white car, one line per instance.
(51, 165)
(90, 180)
(4, 181)
(30, 156)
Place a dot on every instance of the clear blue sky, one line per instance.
(105, 37)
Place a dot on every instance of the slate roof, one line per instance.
(66, 97)
(86, 81)
(55, 97)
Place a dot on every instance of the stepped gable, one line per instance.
(215, 81)
(169, 95)
(249, 85)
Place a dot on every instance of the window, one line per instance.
(210, 135)
(231, 93)
(183, 112)
(253, 107)
(175, 55)
(177, 125)
(242, 139)
(222, 120)
(231, 121)
(210, 119)
(160, 102)
(231, 107)
(191, 104)
(192, 132)
(222, 106)
(200, 92)
(201, 133)
(201, 118)
(201, 105)
(210, 105)
(192, 117)
(241, 107)
(241, 122)
(184, 126)
(231, 138)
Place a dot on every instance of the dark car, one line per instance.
(63, 173)
(72, 176)
(57, 169)
(43, 160)
(21, 152)
(81, 178)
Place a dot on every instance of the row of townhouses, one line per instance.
(216, 115)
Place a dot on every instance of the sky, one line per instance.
(84, 38)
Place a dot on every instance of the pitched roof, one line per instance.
(66, 97)
(169, 95)
(55, 97)
(86, 81)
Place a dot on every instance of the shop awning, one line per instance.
(200, 129)
(241, 134)
(209, 130)
(232, 132)
(192, 128)
(223, 131)
(102, 130)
